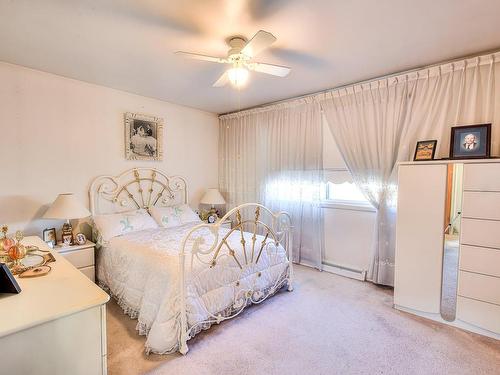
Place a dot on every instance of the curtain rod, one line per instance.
(390, 75)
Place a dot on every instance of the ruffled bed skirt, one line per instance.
(229, 312)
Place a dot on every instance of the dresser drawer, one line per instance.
(482, 177)
(481, 314)
(481, 204)
(480, 233)
(80, 258)
(480, 259)
(480, 287)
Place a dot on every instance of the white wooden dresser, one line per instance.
(56, 325)
(478, 296)
(420, 238)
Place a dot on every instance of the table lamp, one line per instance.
(66, 207)
(212, 197)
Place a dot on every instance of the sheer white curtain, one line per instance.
(459, 93)
(369, 123)
(377, 124)
(274, 156)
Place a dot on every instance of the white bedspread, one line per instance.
(141, 270)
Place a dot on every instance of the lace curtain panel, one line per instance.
(274, 156)
(377, 124)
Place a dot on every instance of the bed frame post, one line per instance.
(183, 348)
(290, 259)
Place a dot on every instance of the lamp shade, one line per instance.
(66, 207)
(213, 197)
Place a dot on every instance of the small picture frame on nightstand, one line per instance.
(80, 239)
(49, 236)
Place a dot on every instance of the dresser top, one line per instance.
(63, 291)
(452, 161)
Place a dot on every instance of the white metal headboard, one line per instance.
(136, 188)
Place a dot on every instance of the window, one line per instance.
(346, 192)
(340, 190)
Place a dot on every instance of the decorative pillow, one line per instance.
(174, 216)
(113, 225)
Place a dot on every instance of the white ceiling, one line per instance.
(130, 44)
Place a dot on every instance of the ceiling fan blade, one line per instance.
(222, 81)
(260, 41)
(197, 56)
(275, 70)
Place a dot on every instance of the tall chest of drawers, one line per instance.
(422, 236)
(478, 296)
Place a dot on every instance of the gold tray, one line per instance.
(30, 261)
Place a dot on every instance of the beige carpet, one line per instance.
(328, 325)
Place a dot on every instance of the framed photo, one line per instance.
(425, 150)
(470, 141)
(49, 236)
(80, 239)
(143, 137)
(67, 239)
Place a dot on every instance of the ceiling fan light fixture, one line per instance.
(238, 76)
(240, 56)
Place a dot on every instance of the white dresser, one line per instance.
(56, 325)
(478, 296)
(422, 198)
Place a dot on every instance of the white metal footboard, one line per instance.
(242, 270)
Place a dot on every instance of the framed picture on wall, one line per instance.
(425, 150)
(143, 137)
(470, 141)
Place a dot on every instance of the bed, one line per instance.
(179, 280)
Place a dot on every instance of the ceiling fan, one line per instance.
(240, 57)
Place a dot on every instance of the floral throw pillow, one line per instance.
(169, 217)
(113, 225)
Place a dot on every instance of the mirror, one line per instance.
(451, 246)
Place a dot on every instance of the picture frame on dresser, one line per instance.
(425, 150)
(470, 142)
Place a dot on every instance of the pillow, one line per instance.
(113, 225)
(169, 217)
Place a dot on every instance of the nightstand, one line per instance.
(80, 256)
(226, 224)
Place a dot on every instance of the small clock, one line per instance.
(212, 218)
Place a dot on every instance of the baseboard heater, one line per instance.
(344, 271)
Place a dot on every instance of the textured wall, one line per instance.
(57, 134)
